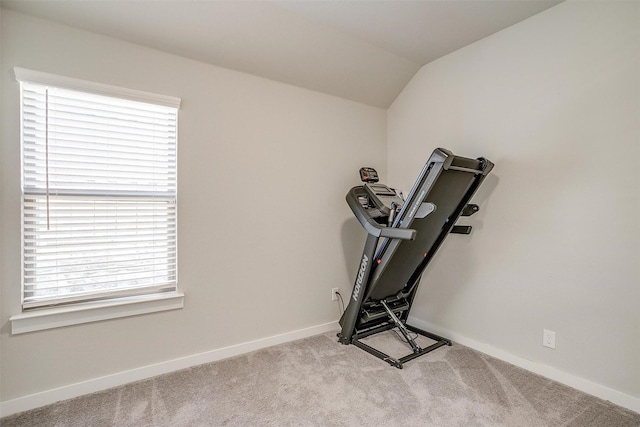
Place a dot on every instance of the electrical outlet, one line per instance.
(548, 338)
(334, 294)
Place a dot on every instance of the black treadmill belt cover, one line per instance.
(405, 256)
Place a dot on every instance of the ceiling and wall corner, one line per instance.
(365, 51)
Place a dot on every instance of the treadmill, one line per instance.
(402, 238)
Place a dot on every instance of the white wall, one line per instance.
(554, 101)
(263, 225)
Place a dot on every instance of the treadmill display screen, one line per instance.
(382, 190)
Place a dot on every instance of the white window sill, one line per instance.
(50, 318)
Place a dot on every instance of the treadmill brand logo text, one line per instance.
(363, 268)
(415, 206)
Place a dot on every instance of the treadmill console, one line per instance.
(380, 202)
(383, 197)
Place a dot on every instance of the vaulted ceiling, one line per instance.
(363, 50)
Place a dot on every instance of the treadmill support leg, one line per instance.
(403, 330)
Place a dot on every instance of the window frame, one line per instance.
(75, 312)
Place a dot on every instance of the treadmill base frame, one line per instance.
(397, 363)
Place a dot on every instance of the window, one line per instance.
(98, 191)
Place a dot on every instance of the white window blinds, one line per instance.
(99, 196)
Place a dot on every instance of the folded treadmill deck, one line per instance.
(402, 238)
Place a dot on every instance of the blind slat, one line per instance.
(124, 259)
(104, 275)
(34, 262)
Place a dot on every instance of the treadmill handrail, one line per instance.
(372, 227)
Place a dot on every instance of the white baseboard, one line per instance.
(603, 392)
(47, 397)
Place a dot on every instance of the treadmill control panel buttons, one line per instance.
(383, 197)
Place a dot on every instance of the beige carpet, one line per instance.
(319, 382)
